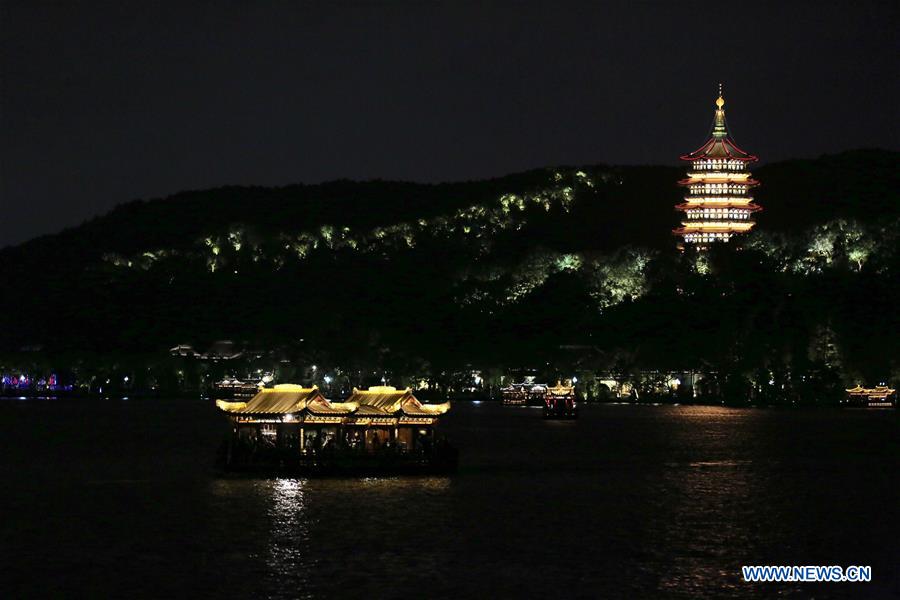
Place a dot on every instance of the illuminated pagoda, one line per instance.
(291, 426)
(718, 205)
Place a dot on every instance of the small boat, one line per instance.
(233, 389)
(560, 402)
(524, 394)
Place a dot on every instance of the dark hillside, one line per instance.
(504, 271)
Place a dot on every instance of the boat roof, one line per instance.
(287, 399)
(388, 400)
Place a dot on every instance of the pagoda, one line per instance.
(718, 204)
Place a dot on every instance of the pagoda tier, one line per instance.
(718, 204)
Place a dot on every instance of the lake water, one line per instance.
(119, 498)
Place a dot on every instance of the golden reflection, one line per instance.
(706, 485)
(287, 496)
(427, 484)
(288, 548)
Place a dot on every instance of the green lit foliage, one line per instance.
(820, 250)
(610, 280)
(619, 277)
(235, 238)
(473, 226)
(530, 275)
(701, 263)
(840, 244)
(775, 246)
(116, 260)
(823, 346)
(858, 244)
(509, 285)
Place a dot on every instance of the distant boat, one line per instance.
(560, 402)
(234, 389)
(880, 396)
(524, 394)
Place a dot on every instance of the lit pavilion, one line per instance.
(301, 422)
(880, 396)
(718, 204)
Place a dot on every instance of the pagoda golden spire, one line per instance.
(719, 129)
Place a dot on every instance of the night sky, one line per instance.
(108, 102)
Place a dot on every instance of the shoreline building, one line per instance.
(718, 204)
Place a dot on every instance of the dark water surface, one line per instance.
(118, 498)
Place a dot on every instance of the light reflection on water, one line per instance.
(627, 501)
(297, 537)
(289, 557)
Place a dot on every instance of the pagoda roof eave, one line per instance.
(749, 182)
(701, 230)
(719, 148)
(692, 157)
(699, 206)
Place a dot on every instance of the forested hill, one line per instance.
(632, 205)
(431, 272)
